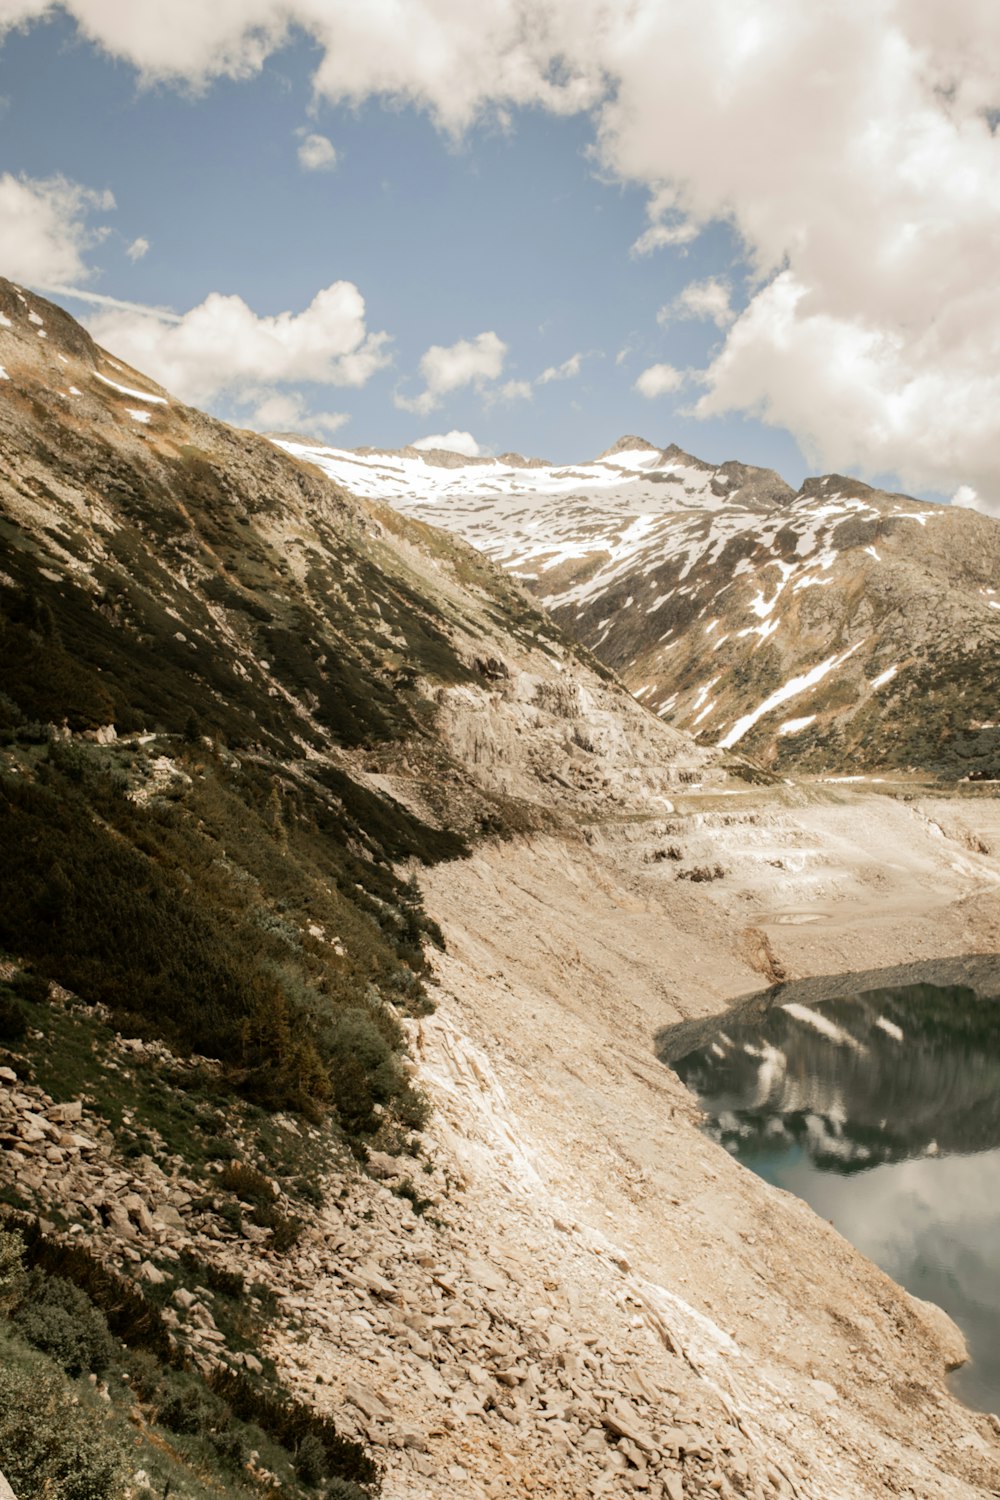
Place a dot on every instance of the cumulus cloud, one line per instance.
(707, 299)
(222, 347)
(451, 442)
(281, 411)
(316, 153)
(447, 368)
(568, 370)
(658, 380)
(851, 147)
(45, 228)
(138, 248)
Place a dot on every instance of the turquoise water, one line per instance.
(882, 1111)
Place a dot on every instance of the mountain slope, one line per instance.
(264, 746)
(260, 637)
(833, 629)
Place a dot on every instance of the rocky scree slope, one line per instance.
(237, 706)
(837, 627)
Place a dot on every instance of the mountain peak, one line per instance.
(629, 444)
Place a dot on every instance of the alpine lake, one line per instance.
(882, 1111)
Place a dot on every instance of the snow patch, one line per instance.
(795, 726)
(3, 374)
(890, 1028)
(790, 689)
(703, 693)
(127, 390)
(137, 416)
(884, 677)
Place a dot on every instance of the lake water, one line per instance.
(882, 1111)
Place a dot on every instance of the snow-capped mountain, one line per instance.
(830, 627)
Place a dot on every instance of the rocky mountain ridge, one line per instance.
(833, 629)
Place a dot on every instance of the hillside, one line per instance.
(837, 628)
(345, 903)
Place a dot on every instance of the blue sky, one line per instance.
(500, 232)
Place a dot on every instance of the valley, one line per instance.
(456, 1204)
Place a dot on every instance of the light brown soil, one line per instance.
(567, 956)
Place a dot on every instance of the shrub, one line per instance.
(31, 987)
(11, 1274)
(52, 1448)
(247, 1183)
(190, 1409)
(13, 1016)
(58, 1318)
(231, 1448)
(286, 1229)
(344, 1489)
(288, 1421)
(130, 1316)
(310, 1460)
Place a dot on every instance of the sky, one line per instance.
(760, 229)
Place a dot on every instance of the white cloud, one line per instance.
(707, 299)
(44, 233)
(282, 411)
(448, 368)
(658, 380)
(223, 347)
(966, 498)
(451, 442)
(138, 248)
(516, 390)
(316, 153)
(568, 370)
(850, 147)
(664, 236)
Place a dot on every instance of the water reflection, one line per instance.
(883, 1112)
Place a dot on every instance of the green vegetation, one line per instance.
(190, 921)
(92, 1394)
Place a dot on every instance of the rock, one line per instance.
(184, 1298)
(382, 1165)
(624, 1421)
(673, 1487)
(138, 1212)
(7, 1075)
(367, 1401)
(943, 1331)
(6, 1493)
(485, 1275)
(65, 1114)
(151, 1273)
(117, 1220)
